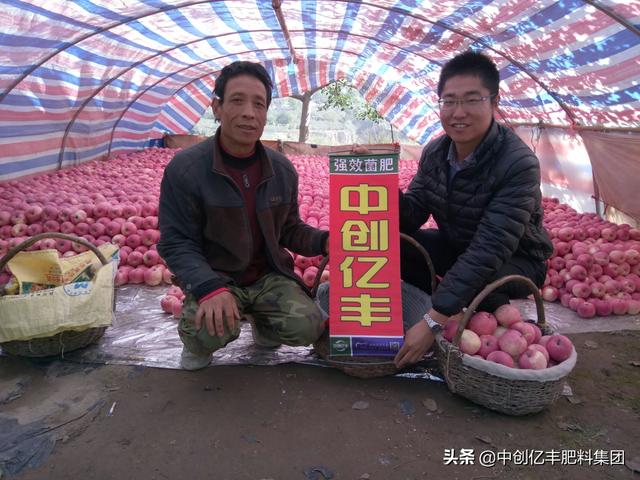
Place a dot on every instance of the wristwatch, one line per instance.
(433, 325)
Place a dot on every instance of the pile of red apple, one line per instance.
(503, 337)
(102, 202)
(595, 267)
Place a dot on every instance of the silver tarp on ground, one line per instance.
(143, 335)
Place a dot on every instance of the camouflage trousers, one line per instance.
(282, 312)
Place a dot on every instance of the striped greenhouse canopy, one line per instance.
(84, 79)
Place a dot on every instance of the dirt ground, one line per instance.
(304, 422)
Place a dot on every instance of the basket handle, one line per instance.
(490, 288)
(403, 236)
(30, 241)
(316, 281)
(427, 259)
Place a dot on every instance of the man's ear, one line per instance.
(494, 103)
(215, 106)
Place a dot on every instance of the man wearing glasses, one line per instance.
(481, 183)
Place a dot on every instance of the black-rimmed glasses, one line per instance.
(466, 103)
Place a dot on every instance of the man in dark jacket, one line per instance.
(481, 183)
(228, 209)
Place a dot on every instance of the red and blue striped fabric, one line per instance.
(84, 79)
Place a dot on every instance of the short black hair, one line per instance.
(242, 68)
(471, 63)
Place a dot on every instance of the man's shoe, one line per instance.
(191, 361)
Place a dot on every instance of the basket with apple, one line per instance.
(502, 362)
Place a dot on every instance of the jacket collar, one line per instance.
(488, 143)
(217, 164)
(478, 155)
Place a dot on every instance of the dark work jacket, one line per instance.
(205, 236)
(491, 211)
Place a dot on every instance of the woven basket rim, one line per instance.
(496, 370)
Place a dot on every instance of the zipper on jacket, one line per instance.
(245, 215)
(270, 260)
(245, 180)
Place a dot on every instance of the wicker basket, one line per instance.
(62, 342)
(360, 366)
(497, 387)
(363, 366)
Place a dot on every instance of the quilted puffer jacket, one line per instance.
(491, 211)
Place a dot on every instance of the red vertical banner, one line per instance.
(365, 313)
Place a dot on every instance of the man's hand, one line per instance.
(216, 310)
(419, 338)
(417, 341)
(360, 149)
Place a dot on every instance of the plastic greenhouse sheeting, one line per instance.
(80, 80)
